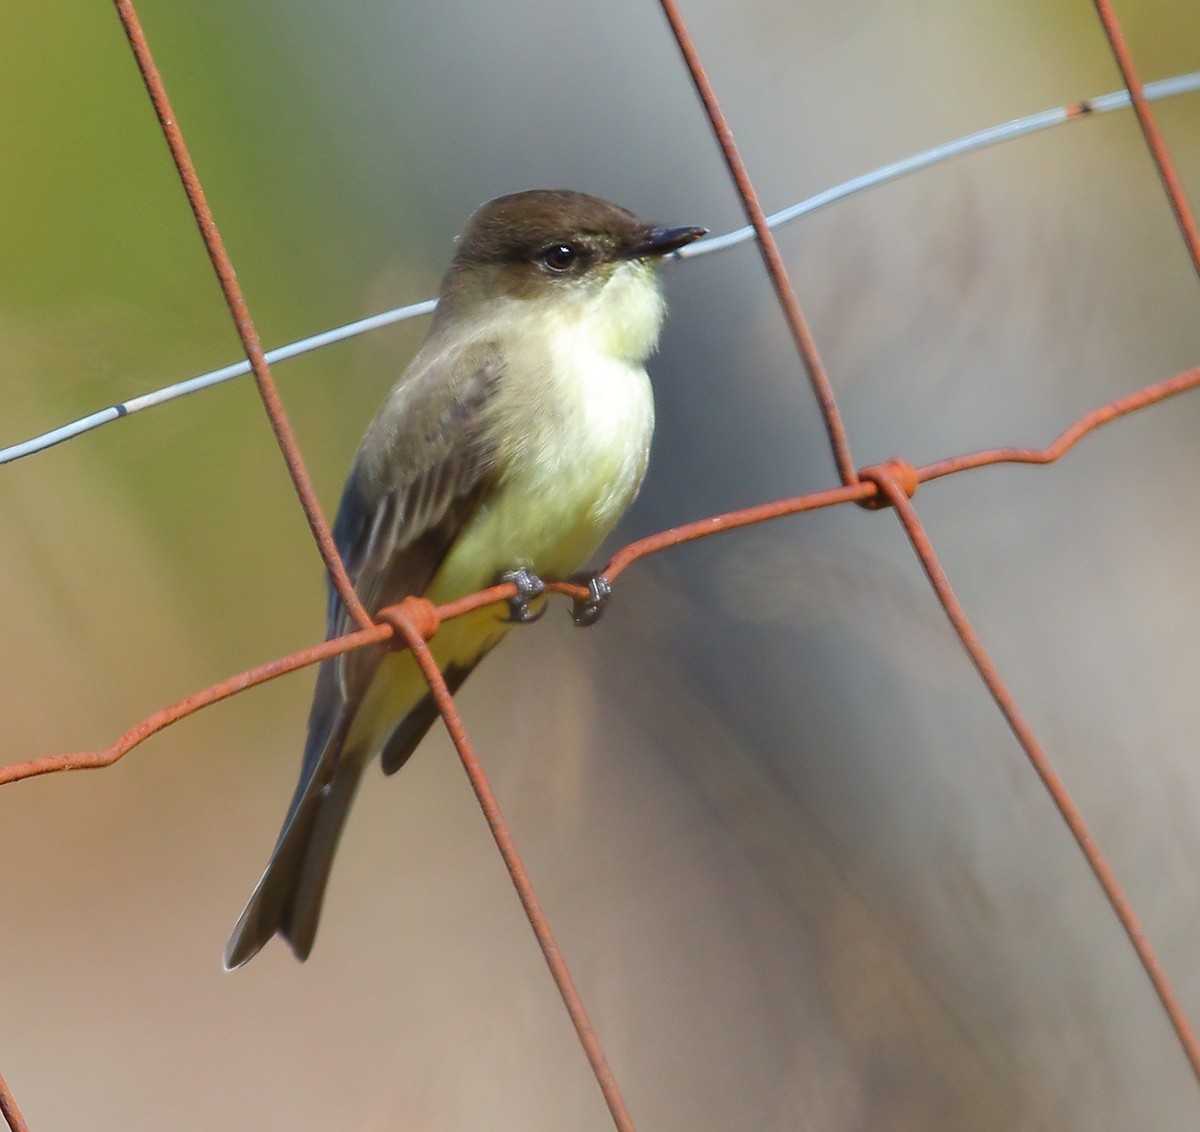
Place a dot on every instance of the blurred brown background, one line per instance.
(802, 874)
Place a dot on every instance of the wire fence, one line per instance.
(890, 485)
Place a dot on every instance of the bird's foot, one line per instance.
(529, 586)
(587, 610)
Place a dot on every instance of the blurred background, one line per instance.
(802, 873)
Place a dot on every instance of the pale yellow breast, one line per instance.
(574, 418)
(574, 470)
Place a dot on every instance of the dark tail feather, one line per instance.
(288, 898)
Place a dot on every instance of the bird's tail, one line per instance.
(287, 900)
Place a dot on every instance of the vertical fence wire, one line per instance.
(413, 620)
(236, 302)
(9, 1110)
(898, 495)
(802, 336)
(306, 494)
(1159, 153)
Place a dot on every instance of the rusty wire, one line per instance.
(788, 303)
(1171, 183)
(416, 621)
(400, 619)
(898, 482)
(236, 301)
(866, 492)
(887, 485)
(9, 1110)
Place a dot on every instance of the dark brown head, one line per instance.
(551, 241)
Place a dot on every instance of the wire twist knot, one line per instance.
(894, 472)
(413, 612)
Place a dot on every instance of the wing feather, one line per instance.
(399, 516)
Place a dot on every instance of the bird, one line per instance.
(507, 450)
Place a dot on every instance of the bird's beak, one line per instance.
(663, 241)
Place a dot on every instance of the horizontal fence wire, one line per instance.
(925, 159)
(889, 485)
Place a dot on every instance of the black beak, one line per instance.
(663, 241)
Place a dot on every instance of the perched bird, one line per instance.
(509, 448)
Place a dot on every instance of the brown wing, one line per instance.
(424, 466)
(421, 471)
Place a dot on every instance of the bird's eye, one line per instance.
(559, 257)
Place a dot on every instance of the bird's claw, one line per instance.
(529, 586)
(586, 611)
